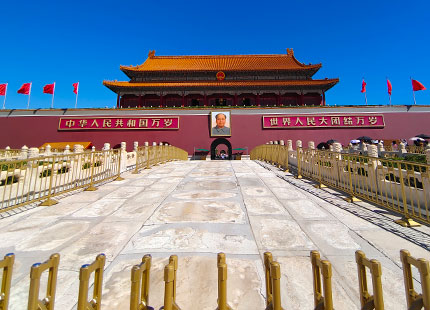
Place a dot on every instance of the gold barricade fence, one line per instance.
(84, 282)
(272, 272)
(222, 283)
(414, 300)
(170, 284)
(47, 303)
(139, 296)
(398, 185)
(7, 265)
(322, 300)
(147, 156)
(40, 179)
(367, 301)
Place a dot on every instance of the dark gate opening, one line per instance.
(217, 142)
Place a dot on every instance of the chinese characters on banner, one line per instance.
(116, 123)
(323, 121)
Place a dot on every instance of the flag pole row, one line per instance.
(416, 86)
(26, 90)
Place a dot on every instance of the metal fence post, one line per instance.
(119, 178)
(7, 265)
(406, 220)
(50, 202)
(92, 188)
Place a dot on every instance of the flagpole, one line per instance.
(365, 97)
(53, 92)
(29, 94)
(390, 99)
(4, 100)
(77, 92)
(413, 92)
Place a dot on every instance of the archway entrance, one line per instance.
(217, 142)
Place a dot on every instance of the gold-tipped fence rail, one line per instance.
(140, 281)
(398, 185)
(40, 179)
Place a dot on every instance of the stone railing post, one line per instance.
(106, 147)
(135, 146)
(372, 167)
(428, 156)
(402, 149)
(299, 158)
(290, 145)
(24, 152)
(93, 149)
(311, 145)
(78, 148)
(33, 152)
(123, 151)
(48, 150)
(67, 150)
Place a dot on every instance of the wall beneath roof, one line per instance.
(247, 131)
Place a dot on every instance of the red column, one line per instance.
(183, 100)
(257, 100)
(302, 101)
(278, 99)
(141, 101)
(117, 101)
(161, 100)
(205, 100)
(235, 100)
(323, 98)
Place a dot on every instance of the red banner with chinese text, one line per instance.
(324, 121)
(118, 123)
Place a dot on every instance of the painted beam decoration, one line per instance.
(324, 121)
(119, 123)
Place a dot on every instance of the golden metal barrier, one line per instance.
(41, 179)
(7, 265)
(222, 283)
(322, 301)
(399, 185)
(170, 284)
(47, 303)
(273, 283)
(84, 282)
(367, 301)
(414, 300)
(139, 297)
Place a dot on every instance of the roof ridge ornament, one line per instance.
(151, 54)
(290, 52)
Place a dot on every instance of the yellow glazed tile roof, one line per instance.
(228, 83)
(221, 63)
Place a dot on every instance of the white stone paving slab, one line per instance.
(199, 211)
(264, 205)
(159, 238)
(102, 207)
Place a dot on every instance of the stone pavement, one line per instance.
(196, 209)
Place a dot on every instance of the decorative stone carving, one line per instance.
(337, 147)
(33, 152)
(78, 148)
(311, 145)
(281, 142)
(135, 146)
(67, 149)
(372, 151)
(299, 143)
(290, 145)
(123, 146)
(106, 147)
(48, 150)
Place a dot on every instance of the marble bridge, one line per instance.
(196, 209)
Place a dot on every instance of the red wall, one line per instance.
(247, 131)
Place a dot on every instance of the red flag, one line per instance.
(3, 88)
(390, 87)
(75, 88)
(417, 86)
(363, 86)
(49, 88)
(25, 89)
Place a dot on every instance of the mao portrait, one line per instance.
(220, 124)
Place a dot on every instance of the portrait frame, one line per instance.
(215, 130)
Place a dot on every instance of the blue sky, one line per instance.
(87, 41)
